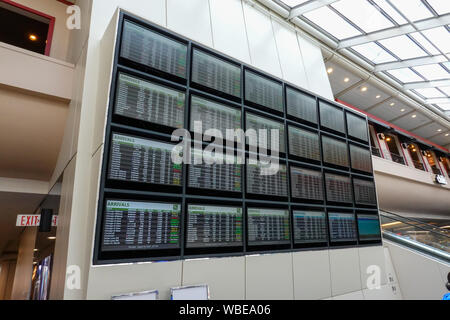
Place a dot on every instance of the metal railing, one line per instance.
(436, 170)
(419, 165)
(416, 234)
(397, 158)
(376, 152)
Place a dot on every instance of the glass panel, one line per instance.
(405, 75)
(446, 90)
(430, 93)
(414, 10)
(403, 47)
(386, 7)
(440, 37)
(432, 72)
(440, 6)
(424, 43)
(363, 14)
(444, 106)
(331, 22)
(374, 53)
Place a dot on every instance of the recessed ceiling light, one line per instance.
(35, 250)
(439, 130)
(33, 37)
(330, 70)
(346, 80)
(414, 116)
(447, 134)
(51, 238)
(378, 97)
(364, 89)
(403, 110)
(392, 104)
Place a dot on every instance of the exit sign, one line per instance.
(33, 220)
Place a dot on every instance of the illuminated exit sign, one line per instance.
(33, 220)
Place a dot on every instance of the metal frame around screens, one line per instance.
(182, 194)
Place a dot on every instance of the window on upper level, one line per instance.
(414, 153)
(25, 28)
(391, 142)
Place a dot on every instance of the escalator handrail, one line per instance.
(416, 226)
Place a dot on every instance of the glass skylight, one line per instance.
(429, 93)
(446, 90)
(363, 14)
(440, 6)
(432, 72)
(440, 37)
(332, 23)
(293, 3)
(403, 47)
(405, 75)
(374, 53)
(424, 43)
(386, 7)
(444, 106)
(414, 10)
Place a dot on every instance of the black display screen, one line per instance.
(335, 151)
(310, 226)
(266, 184)
(304, 144)
(357, 127)
(364, 192)
(259, 123)
(141, 160)
(263, 91)
(339, 188)
(152, 49)
(150, 102)
(214, 115)
(361, 158)
(301, 105)
(215, 73)
(212, 175)
(268, 226)
(369, 227)
(331, 117)
(306, 184)
(342, 226)
(136, 225)
(214, 226)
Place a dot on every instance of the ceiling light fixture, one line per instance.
(51, 238)
(439, 130)
(330, 70)
(346, 80)
(392, 104)
(447, 134)
(403, 110)
(414, 116)
(364, 89)
(378, 97)
(33, 37)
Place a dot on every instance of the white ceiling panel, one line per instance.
(442, 139)
(387, 112)
(364, 99)
(340, 79)
(408, 122)
(429, 130)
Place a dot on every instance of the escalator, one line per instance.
(417, 235)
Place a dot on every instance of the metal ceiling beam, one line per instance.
(427, 84)
(308, 6)
(396, 31)
(438, 101)
(410, 63)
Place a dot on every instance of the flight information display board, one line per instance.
(215, 73)
(339, 188)
(306, 184)
(263, 91)
(259, 123)
(215, 176)
(342, 227)
(268, 226)
(368, 227)
(140, 160)
(357, 127)
(152, 49)
(335, 151)
(147, 101)
(301, 106)
(214, 115)
(270, 185)
(364, 192)
(136, 225)
(361, 158)
(331, 117)
(309, 226)
(214, 226)
(304, 144)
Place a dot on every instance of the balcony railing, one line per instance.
(376, 152)
(419, 165)
(436, 170)
(397, 158)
